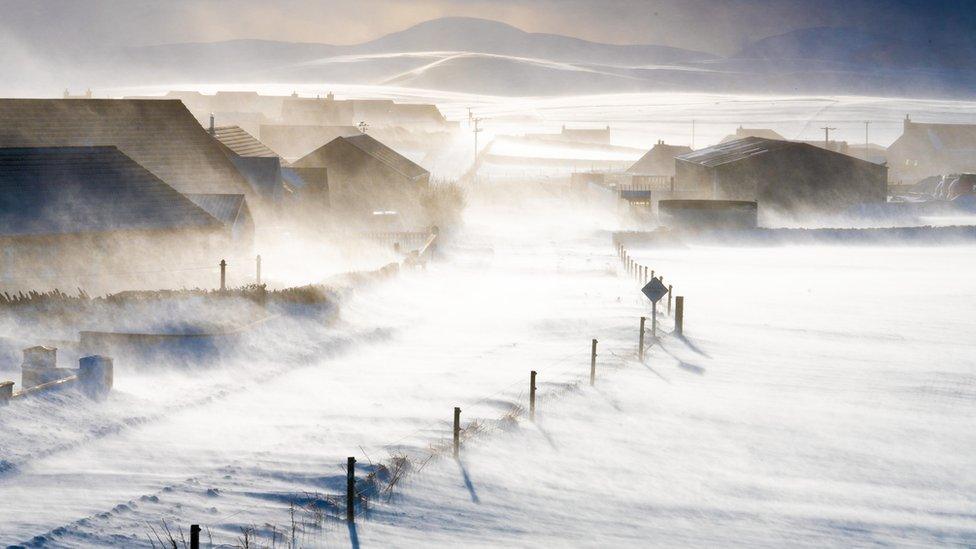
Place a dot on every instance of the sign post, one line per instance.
(654, 290)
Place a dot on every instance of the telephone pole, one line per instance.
(866, 124)
(476, 130)
(827, 130)
(692, 134)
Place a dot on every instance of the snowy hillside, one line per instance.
(482, 56)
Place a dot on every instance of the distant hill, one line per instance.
(481, 56)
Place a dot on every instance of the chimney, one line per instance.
(908, 123)
(213, 129)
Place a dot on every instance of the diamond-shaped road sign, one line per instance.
(655, 290)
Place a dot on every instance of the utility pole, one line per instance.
(866, 124)
(827, 130)
(693, 134)
(476, 130)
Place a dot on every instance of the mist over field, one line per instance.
(444, 273)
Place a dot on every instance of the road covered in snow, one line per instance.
(824, 396)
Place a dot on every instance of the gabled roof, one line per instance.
(659, 160)
(161, 135)
(61, 190)
(242, 143)
(227, 208)
(386, 155)
(949, 137)
(742, 133)
(733, 151)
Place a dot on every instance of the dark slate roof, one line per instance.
(386, 155)
(60, 190)
(161, 135)
(242, 143)
(225, 207)
(659, 160)
(733, 151)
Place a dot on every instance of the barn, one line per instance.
(69, 212)
(780, 175)
(160, 135)
(366, 177)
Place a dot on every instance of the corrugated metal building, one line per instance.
(782, 175)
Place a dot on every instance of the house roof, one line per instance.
(62, 190)
(659, 160)
(742, 133)
(947, 137)
(733, 151)
(227, 208)
(161, 135)
(386, 155)
(242, 143)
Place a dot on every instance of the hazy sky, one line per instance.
(709, 25)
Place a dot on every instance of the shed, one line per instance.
(367, 176)
(781, 175)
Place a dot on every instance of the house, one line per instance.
(659, 160)
(160, 135)
(742, 133)
(66, 211)
(925, 150)
(782, 175)
(256, 162)
(366, 176)
(295, 141)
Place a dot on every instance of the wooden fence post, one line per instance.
(223, 275)
(669, 300)
(351, 489)
(640, 340)
(194, 536)
(532, 395)
(593, 363)
(679, 315)
(654, 320)
(257, 262)
(457, 431)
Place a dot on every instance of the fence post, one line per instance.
(6, 392)
(457, 431)
(194, 536)
(593, 363)
(679, 315)
(223, 275)
(257, 262)
(669, 300)
(640, 340)
(351, 489)
(654, 320)
(532, 395)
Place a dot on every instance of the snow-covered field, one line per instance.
(824, 397)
